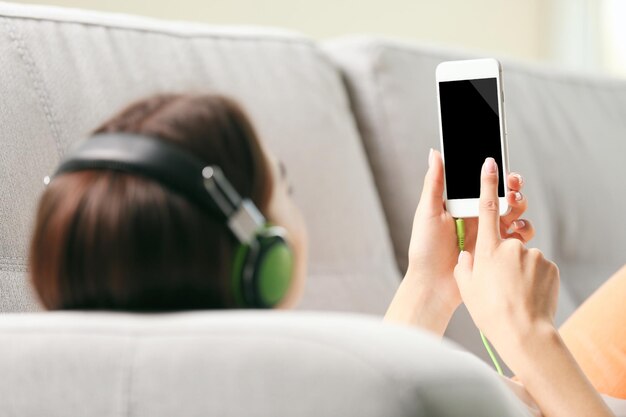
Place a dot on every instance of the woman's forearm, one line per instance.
(416, 305)
(550, 374)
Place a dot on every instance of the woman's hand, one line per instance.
(511, 293)
(508, 289)
(429, 294)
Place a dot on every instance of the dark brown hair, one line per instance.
(111, 240)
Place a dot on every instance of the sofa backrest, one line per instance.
(237, 364)
(63, 72)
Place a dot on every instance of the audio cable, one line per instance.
(460, 234)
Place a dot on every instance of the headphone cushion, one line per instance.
(274, 271)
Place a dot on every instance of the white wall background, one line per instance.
(585, 35)
(514, 28)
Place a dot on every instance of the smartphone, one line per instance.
(472, 127)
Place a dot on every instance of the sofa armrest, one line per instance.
(237, 363)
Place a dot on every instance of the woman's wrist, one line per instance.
(419, 304)
(550, 374)
(526, 345)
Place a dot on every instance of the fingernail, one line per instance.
(461, 255)
(519, 224)
(490, 166)
(430, 157)
(518, 196)
(520, 179)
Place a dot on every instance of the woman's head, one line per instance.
(111, 240)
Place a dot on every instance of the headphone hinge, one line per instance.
(246, 221)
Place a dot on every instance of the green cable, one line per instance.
(491, 354)
(460, 234)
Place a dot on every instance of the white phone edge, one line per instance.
(469, 70)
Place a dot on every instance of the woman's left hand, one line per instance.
(429, 282)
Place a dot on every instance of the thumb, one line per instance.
(432, 191)
(463, 268)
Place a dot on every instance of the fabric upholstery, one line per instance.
(235, 364)
(65, 71)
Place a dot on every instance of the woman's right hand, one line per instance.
(511, 293)
(509, 290)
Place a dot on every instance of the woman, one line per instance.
(105, 239)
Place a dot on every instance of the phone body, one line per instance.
(472, 127)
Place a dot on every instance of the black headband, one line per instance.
(165, 163)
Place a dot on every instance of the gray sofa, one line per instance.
(352, 119)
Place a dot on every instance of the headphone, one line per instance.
(263, 261)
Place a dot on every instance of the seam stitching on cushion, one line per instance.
(12, 260)
(13, 268)
(38, 84)
(127, 403)
(243, 37)
(378, 102)
(351, 104)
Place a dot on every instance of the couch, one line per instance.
(352, 119)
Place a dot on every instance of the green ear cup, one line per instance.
(274, 273)
(271, 272)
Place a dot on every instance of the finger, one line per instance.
(523, 230)
(488, 234)
(518, 204)
(514, 236)
(515, 181)
(463, 269)
(432, 192)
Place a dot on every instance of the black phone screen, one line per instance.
(470, 126)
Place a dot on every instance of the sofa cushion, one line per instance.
(64, 71)
(237, 364)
